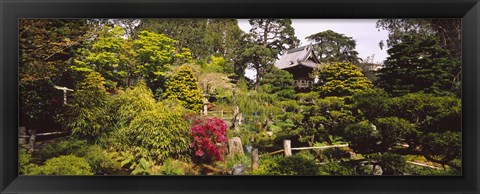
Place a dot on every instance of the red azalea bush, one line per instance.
(209, 139)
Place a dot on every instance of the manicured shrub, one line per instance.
(392, 164)
(183, 86)
(298, 164)
(157, 134)
(63, 165)
(336, 168)
(209, 139)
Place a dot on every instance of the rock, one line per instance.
(235, 146)
(239, 169)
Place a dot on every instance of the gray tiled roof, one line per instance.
(298, 56)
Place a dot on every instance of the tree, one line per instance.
(259, 58)
(341, 79)
(416, 65)
(110, 55)
(156, 54)
(87, 116)
(322, 117)
(275, 34)
(148, 129)
(189, 33)
(447, 31)
(227, 39)
(280, 83)
(183, 86)
(334, 47)
(46, 47)
(268, 39)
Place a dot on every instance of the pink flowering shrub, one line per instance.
(209, 139)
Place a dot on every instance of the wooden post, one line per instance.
(254, 158)
(205, 109)
(31, 141)
(240, 119)
(22, 133)
(287, 148)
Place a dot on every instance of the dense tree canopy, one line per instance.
(334, 47)
(418, 64)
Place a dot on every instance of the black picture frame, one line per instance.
(12, 10)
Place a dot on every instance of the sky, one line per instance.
(363, 31)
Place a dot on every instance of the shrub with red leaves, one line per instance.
(209, 139)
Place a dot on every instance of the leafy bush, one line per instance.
(24, 165)
(157, 134)
(183, 86)
(392, 164)
(63, 146)
(176, 167)
(96, 157)
(336, 168)
(298, 164)
(88, 116)
(63, 165)
(209, 139)
(333, 154)
(362, 137)
(442, 147)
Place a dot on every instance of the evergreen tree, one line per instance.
(341, 79)
(183, 86)
(268, 39)
(334, 47)
(416, 65)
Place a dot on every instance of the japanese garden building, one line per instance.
(300, 62)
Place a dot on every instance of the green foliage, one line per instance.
(425, 171)
(334, 47)
(418, 65)
(127, 105)
(88, 116)
(393, 130)
(442, 147)
(46, 47)
(267, 39)
(189, 33)
(298, 164)
(429, 112)
(175, 167)
(63, 165)
(98, 159)
(280, 83)
(336, 168)
(333, 154)
(392, 164)
(158, 134)
(322, 117)
(183, 86)
(362, 137)
(108, 56)
(371, 104)
(342, 79)
(24, 162)
(280, 29)
(63, 146)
